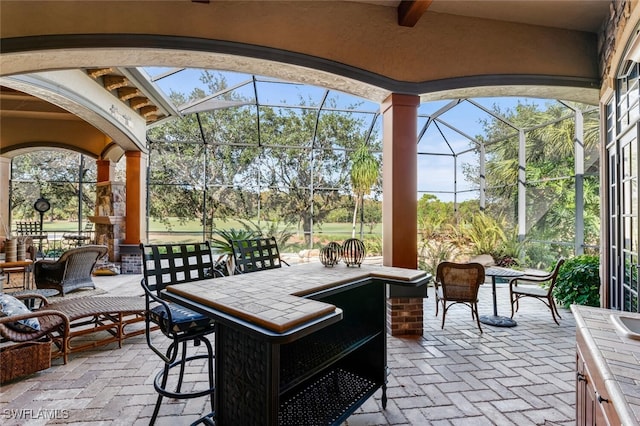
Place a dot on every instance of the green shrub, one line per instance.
(509, 252)
(485, 233)
(434, 252)
(579, 282)
(373, 245)
(221, 239)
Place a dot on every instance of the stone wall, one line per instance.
(612, 28)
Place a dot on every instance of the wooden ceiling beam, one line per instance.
(139, 102)
(410, 11)
(148, 111)
(99, 72)
(113, 82)
(126, 93)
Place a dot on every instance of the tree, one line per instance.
(215, 165)
(194, 167)
(549, 147)
(433, 216)
(364, 174)
(372, 210)
(53, 174)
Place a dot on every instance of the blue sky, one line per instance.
(435, 172)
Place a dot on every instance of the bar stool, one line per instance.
(170, 264)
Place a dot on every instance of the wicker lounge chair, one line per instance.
(71, 271)
(65, 320)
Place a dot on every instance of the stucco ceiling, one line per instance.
(547, 13)
(584, 15)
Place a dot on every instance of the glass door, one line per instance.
(628, 292)
(622, 130)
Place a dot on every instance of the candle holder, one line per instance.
(330, 255)
(353, 252)
(338, 248)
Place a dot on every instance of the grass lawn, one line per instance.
(194, 226)
(191, 231)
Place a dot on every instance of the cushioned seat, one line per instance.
(181, 319)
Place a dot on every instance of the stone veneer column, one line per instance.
(399, 205)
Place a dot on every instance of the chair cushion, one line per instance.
(184, 320)
(10, 306)
(531, 291)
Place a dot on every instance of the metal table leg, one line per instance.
(495, 319)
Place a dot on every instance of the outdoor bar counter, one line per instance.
(297, 345)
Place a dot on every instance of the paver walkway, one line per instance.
(507, 376)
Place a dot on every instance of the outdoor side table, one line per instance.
(18, 266)
(76, 240)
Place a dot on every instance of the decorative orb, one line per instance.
(353, 252)
(329, 256)
(337, 247)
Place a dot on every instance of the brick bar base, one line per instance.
(131, 259)
(405, 316)
(131, 264)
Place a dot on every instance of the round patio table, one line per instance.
(495, 319)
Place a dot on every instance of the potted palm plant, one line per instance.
(221, 245)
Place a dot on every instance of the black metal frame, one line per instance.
(32, 229)
(545, 295)
(335, 363)
(169, 264)
(256, 254)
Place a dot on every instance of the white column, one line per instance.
(522, 190)
(5, 176)
(579, 174)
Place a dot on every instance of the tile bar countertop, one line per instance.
(274, 299)
(617, 358)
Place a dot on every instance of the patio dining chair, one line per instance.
(171, 264)
(256, 254)
(32, 229)
(458, 283)
(78, 239)
(536, 291)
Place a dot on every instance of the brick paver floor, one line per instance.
(453, 376)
